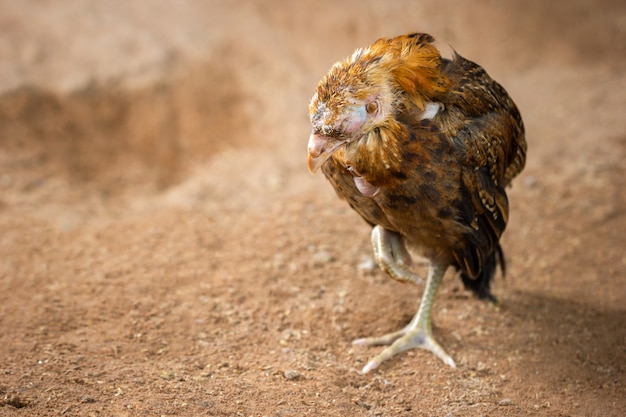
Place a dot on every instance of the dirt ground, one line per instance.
(165, 252)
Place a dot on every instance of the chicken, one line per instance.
(422, 147)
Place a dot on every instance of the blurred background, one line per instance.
(153, 183)
(116, 98)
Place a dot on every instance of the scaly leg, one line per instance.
(418, 333)
(392, 256)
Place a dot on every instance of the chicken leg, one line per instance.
(392, 256)
(418, 333)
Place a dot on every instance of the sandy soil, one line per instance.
(163, 250)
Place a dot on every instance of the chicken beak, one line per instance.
(320, 149)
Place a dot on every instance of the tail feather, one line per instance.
(480, 285)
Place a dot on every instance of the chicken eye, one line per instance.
(371, 107)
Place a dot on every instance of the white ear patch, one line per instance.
(430, 110)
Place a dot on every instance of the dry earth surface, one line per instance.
(163, 250)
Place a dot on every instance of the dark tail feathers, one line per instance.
(481, 286)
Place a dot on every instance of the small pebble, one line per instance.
(367, 264)
(321, 257)
(292, 375)
(505, 402)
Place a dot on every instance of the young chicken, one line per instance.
(422, 147)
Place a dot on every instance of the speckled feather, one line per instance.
(440, 182)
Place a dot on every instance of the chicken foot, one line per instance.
(392, 256)
(418, 333)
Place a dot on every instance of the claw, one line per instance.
(403, 340)
(392, 256)
(378, 341)
(416, 334)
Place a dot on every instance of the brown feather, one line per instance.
(437, 181)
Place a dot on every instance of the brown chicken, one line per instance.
(422, 147)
